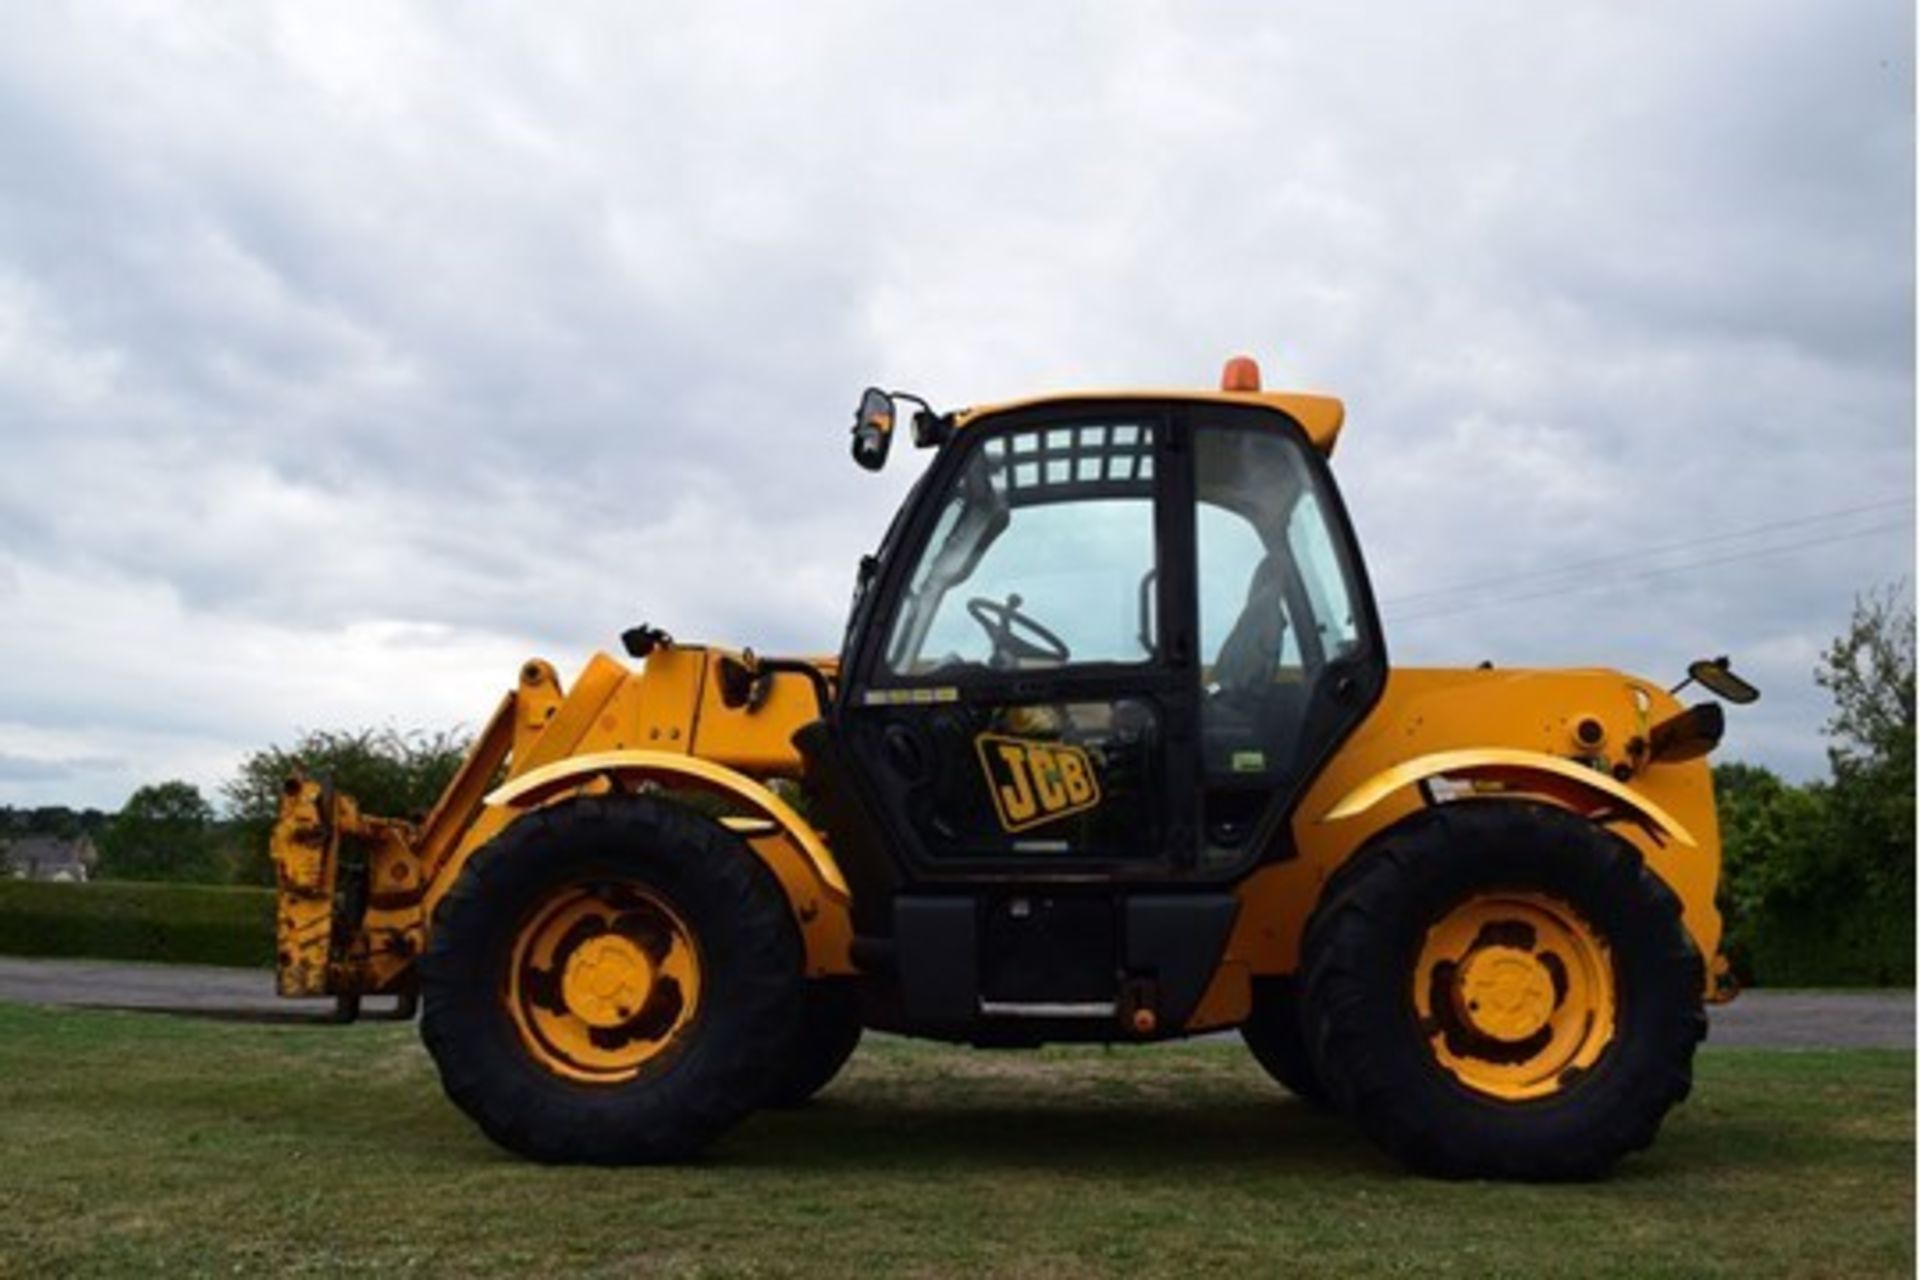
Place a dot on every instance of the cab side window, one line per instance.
(1275, 601)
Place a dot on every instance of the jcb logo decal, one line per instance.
(1035, 782)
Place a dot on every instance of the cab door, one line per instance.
(1023, 701)
(1290, 655)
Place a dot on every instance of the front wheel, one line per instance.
(611, 980)
(1502, 989)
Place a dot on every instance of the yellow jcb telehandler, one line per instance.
(1111, 752)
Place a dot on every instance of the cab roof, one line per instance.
(1319, 416)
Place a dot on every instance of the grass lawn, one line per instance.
(144, 1144)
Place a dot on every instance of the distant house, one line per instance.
(48, 858)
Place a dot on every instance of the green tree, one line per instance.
(1777, 843)
(1869, 670)
(1818, 880)
(164, 832)
(394, 774)
(54, 820)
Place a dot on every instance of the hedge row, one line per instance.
(125, 920)
(1864, 944)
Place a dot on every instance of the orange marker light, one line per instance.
(1241, 374)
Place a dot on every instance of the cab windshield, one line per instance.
(1043, 555)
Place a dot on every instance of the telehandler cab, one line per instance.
(1111, 752)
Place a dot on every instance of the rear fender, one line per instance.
(1565, 782)
(1505, 773)
(784, 841)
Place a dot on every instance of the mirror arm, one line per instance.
(931, 428)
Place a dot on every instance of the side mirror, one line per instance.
(1717, 677)
(873, 429)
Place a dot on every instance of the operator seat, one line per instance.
(1250, 655)
(1239, 720)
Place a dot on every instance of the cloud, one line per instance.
(347, 355)
(34, 769)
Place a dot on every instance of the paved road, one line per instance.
(1758, 1019)
(1812, 1020)
(240, 994)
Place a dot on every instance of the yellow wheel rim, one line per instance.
(604, 981)
(1515, 993)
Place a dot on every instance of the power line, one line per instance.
(1623, 557)
(1755, 553)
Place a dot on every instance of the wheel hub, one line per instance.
(604, 981)
(607, 980)
(1515, 992)
(1504, 992)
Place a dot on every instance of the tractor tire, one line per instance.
(1276, 1033)
(611, 980)
(1501, 989)
(829, 1032)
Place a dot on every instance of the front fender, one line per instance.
(789, 846)
(1565, 781)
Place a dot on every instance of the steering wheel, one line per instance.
(1000, 621)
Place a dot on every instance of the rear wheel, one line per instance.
(1276, 1033)
(611, 980)
(1502, 989)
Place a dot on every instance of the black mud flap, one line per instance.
(937, 940)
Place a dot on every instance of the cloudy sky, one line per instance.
(350, 353)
